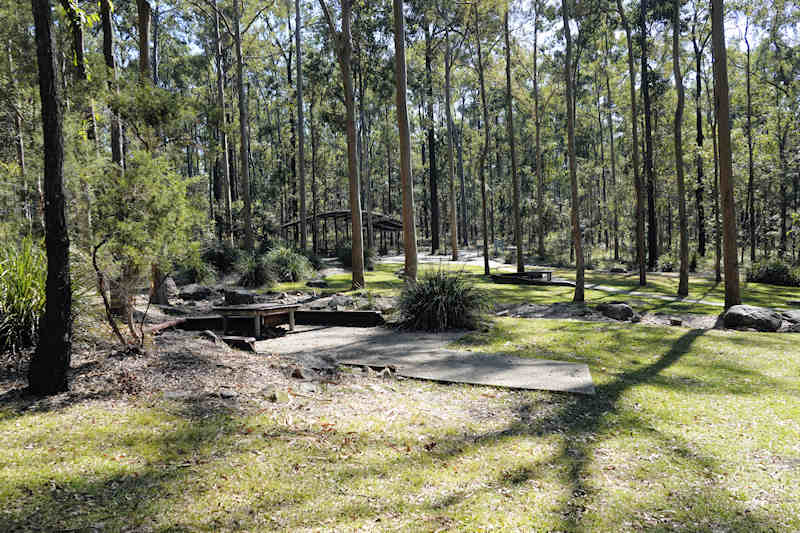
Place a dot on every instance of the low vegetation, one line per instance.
(774, 272)
(442, 300)
(23, 272)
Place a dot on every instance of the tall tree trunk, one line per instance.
(433, 175)
(722, 101)
(406, 181)
(652, 227)
(637, 181)
(222, 155)
(700, 190)
(751, 211)
(314, 196)
(573, 176)
(462, 184)
(448, 64)
(143, 23)
(683, 282)
(485, 148)
(538, 125)
(108, 54)
(300, 153)
(612, 155)
(244, 129)
(155, 58)
(517, 193)
(344, 52)
(47, 373)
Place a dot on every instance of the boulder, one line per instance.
(239, 297)
(750, 316)
(792, 316)
(617, 310)
(618, 270)
(170, 287)
(320, 303)
(340, 300)
(195, 292)
(317, 283)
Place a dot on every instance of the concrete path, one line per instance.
(424, 356)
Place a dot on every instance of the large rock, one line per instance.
(239, 297)
(195, 292)
(317, 283)
(750, 316)
(340, 300)
(170, 287)
(791, 316)
(617, 310)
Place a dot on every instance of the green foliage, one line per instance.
(693, 262)
(256, 271)
(774, 272)
(442, 301)
(314, 259)
(222, 255)
(23, 275)
(145, 213)
(344, 252)
(289, 265)
(666, 263)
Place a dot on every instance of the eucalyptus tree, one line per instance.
(343, 47)
(683, 282)
(510, 124)
(47, 373)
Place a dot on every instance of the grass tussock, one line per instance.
(441, 301)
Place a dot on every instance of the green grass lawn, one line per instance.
(383, 281)
(690, 430)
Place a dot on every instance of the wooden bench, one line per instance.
(256, 313)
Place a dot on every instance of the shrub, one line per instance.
(314, 259)
(289, 265)
(256, 272)
(23, 274)
(222, 256)
(441, 301)
(693, 262)
(666, 264)
(344, 252)
(774, 272)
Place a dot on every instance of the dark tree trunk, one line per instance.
(300, 159)
(143, 23)
(652, 227)
(514, 177)
(683, 283)
(244, 131)
(700, 190)
(433, 175)
(108, 54)
(47, 373)
(485, 149)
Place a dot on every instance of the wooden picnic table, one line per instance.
(547, 274)
(256, 312)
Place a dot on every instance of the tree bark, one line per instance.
(750, 171)
(612, 155)
(406, 181)
(637, 181)
(47, 373)
(573, 177)
(344, 50)
(448, 64)
(222, 156)
(722, 101)
(683, 282)
(300, 153)
(433, 175)
(143, 23)
(652, 227)
(700, 190)
(108, 54)
(517, 193)
(244, 130)
(485, 148)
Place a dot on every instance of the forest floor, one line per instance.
(690, 430)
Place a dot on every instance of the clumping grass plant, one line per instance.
(289, 265)
(442, 301)
(256, 272)
(23, 274)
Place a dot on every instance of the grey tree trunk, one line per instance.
(652, 223)
(143, 24)
(485, 148)
(406, 181)
(227, 224)
(538, 124)
(300, 153)
(751, 211)
(511, 141)
(573, 177)
(47, 373)
(244, 130)
(722, 100)
(433, 174)
(637, 180)
(683, 282)
(448, 64)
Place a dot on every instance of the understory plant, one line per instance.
(775, 272)
(289, 265)
(23, 274)
(442, 301)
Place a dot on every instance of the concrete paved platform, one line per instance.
(424, 356)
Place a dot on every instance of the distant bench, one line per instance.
(256, 313)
